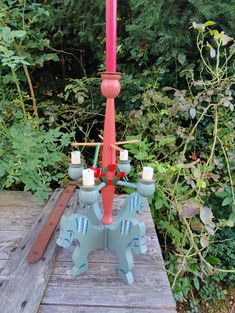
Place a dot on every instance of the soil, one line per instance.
(225, 306)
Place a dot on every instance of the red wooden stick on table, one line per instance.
(40, 244)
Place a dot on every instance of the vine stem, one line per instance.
(228, 167)
(191, 238)
(190, 137)
(200, 47)
(181, 267)
(35, 109)
(19, 92)
(215, 131)
(3, 126)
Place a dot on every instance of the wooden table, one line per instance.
(46, 287)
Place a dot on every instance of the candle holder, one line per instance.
(97, 228)
(88, 195)
(124, 235)
(75, 171)
(146, 188)
(124, 166)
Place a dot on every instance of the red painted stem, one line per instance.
(109, 157)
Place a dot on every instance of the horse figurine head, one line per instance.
(67, 232)
(138, 244)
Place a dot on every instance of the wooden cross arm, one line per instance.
(93, 144)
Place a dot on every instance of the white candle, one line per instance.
(75, 157)
(147, 173)
(88, 178)
(124, 155)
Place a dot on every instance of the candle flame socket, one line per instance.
(146, 188)
(88, 195)
(75, 171)
(124, 166)
(110, 86)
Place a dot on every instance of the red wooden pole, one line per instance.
(110, 88)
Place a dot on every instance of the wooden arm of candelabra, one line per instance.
(126, 184)
(93, 144)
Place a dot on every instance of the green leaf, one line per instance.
(194, 267)
(227, 201)
(18, 33)
(2, 171)
(182, 58)
(210, 23)
(158, 203)
(196, 283)
(192, 112)
(206, 215)
(213, 260)
(221, 194)
(232, 217)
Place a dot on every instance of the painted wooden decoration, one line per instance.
(125, 235)
(99, 229)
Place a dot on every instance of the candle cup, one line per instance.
(88, 195)
(146, 188)
(124, 166)
(75, 171)
(110, 86)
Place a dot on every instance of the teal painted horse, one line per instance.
(124, 235)
(88, 237)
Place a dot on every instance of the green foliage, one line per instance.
(219, 11)
(159, 34)
(22, 45)
(32, 158)
(189, 140)
(187, 131)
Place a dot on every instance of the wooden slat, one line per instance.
(33, 278)
(101, 286)
(16, 199)
(98, 309)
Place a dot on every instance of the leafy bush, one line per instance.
(188, 137)
(32, 158)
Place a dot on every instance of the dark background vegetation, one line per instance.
(175, 97)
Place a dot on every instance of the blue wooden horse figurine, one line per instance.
(124, 235)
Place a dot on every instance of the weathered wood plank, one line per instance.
(33, 278)
(99, 289)
(18, 210)
(98, 309)
(2, 264)
(15, 199)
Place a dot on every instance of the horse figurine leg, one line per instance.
(80, 260)
(88, 237)
(126, 264)
(124, 236)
